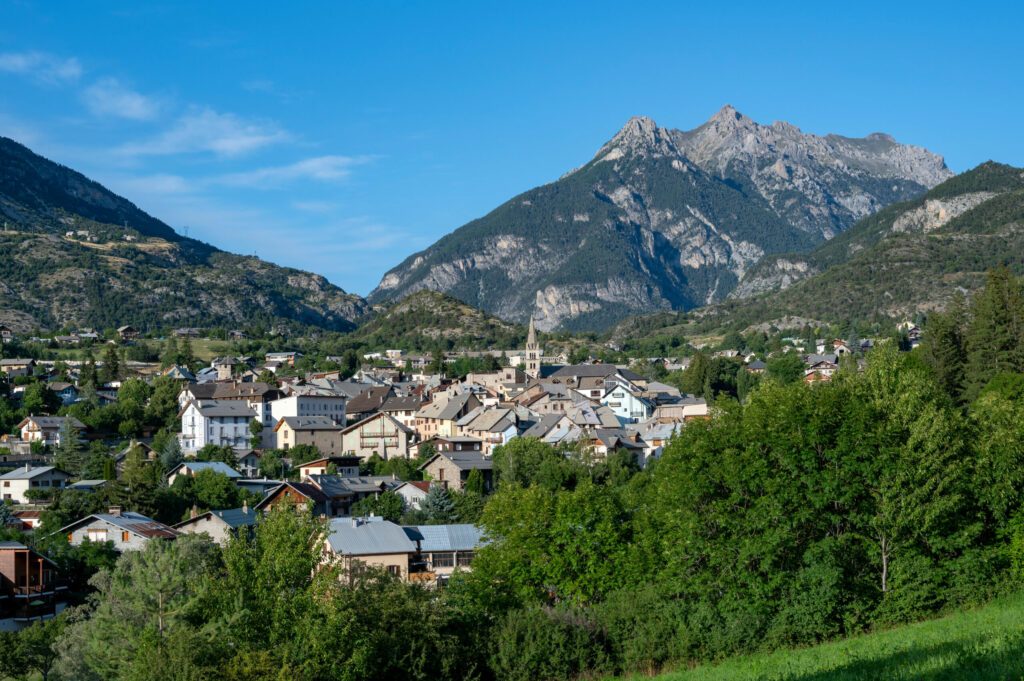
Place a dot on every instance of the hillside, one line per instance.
(664, 219)
(984, 644)
(75, 254)
(427, 320)
(908, 258)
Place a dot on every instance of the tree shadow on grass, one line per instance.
(974, 659)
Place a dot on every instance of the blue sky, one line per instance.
(341, 137)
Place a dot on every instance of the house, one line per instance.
(343, 492)
(15, 484)
(17, 367)
(756, 367)
(256, 394)
(380, 434)
(317, 431)
(457, 443)
(225, 367)
(494, 427)
(310, 400)
(192, 468)
(67, 392)
(219, 525)
(224, 423)
(30, 520)
(127, 531)
(413, 492)
(684, 408)
(820, 367)
(31, 587)
(368, 402)
(443, 549)
(403, 409)
(441, 416)
(46, 429)
(149, 455)
(362, 543)
(127, 333)
(6, 334)
(287, 358)
(604, 441)
(452, 468)
(247, 462)
(186, 332)
(346, 467)
(292, 494)
(236, 335)
(627, 405)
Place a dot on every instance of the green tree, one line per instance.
(30, 652)
(994, 335)
(387, 505)
(255, 434)
(943, 348)
(68, 455)
(787, 367)
(39, 399)
(169, 354)
(437, 506)
(111, 365)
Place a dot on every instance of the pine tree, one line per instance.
(169, 356)
(185, 355)
(69, 452)
(943, 348)
(111, 365)
(438, 506)
(993, 338)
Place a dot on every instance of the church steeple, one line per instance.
(532, 359)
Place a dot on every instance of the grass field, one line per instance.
(985, 644)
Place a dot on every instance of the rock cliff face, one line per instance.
(664, 219)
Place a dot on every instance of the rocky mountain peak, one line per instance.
(640, 135)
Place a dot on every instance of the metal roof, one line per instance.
(136, 523)
(446, 537)
(367, 537)
(215, 466)
(23, 474)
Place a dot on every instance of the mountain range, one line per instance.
(908, 259)
(663, 219)
(75, 254)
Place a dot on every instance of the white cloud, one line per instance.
(150, 185)
(206, 130)
(318, 168)
(108, 97)
(41, 66)
(315, 206)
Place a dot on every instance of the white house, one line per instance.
(307, 400)
(15, 484)
(46, 429)
(413, 492)
(127, 531)
(627, 406)
(224, 423)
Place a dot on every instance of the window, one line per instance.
(465, 558)
(442, 560)
(96, 534)
(124, 537)
(394, 570)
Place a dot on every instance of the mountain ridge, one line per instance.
(663, 219)
(76, 254)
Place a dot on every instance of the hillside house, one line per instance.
(47, 429)
(380, 434)
(14, 485)
(345, 466)
(190, 469)
(127, 531)
(441, 416)
(317, 431)
(14, 367)
(452, 468)
(31, 587)
(222, 423)
(220, 526)
(310, 400)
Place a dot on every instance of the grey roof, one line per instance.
(337, 486)
(13, 362)
(367, 537)
(543, 425)
(596, 370)
(214, 408)
(11, 545)
(22, 474)
(54, 421)
(309, 423)
(464, 460)
(757, 364)
(237, 517)
(87, 484)
(447, 411)
(402, 404)
(215, 466)
(446, 537)
(136, 523)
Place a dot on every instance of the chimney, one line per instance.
(115, 511)
(194, 513)
(245, 507)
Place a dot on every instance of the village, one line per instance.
(330, 444)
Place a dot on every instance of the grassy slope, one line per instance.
(984, 644)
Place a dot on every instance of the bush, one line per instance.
(548, 643)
